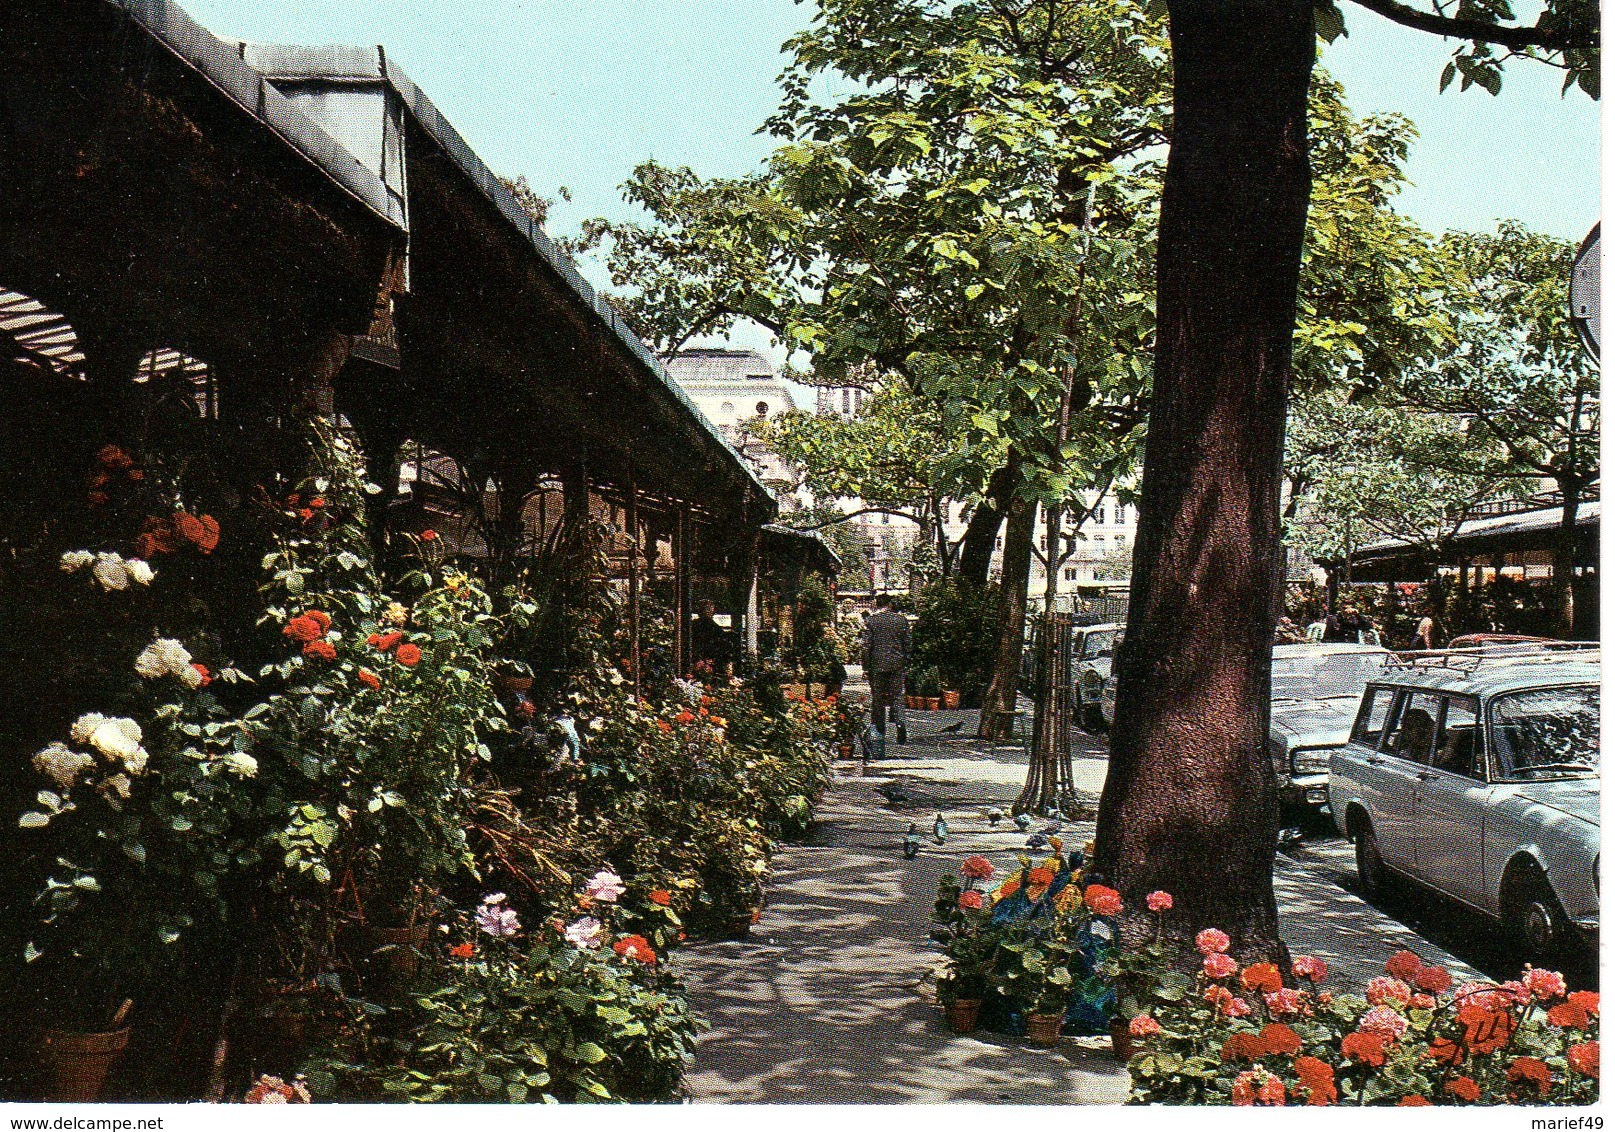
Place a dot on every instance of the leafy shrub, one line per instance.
(956, 633)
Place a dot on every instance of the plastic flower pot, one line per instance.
(950, 700)
(79, 1063)
(1121, 1040)
(1043, 1029)
(964, 1014)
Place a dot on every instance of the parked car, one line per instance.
(1477, 775)
(1316, 691)
(1091, 652)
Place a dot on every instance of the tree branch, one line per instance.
(1482, 31)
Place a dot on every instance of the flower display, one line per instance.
(1310, 967)
(605, 886)
(635, 947)
(976, 868)
(1211, 940)
(496, 918)
(585, 932)
(167, 657)
(1219, 966)
(1158, 901)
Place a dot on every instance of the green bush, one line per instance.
(956, 634)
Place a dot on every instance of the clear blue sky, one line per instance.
(577, 92)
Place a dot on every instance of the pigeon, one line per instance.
(896, 795)
(911, 843)
(951, 728)
(1023, 822)
(1037, 841)
(939, 830)
(1051, 829)
(994, 816)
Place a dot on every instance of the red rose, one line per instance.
(408, 655)
(303, 628)
(201, 670)
(324, 650)
(203, 532)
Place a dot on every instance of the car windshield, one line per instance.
(1547, 732)
(1318, 676)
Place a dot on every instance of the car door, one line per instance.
(1403, 755)
(1453, 795)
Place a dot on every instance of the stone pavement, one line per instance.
(831, 1000)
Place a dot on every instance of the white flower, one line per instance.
(111, 571)
(119, 739)
(75, 560)
(242, 763)
(136, 763)
(115, 789)
(605, 886)
(190, 676)
(140, 570)
(587, 932)
(85, 726)
(62, 765)
(494, 898)
(165, 657)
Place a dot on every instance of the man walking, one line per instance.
(886, 647)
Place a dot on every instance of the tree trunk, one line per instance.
(976, 552)
(1564, 561)
(1189, 804)
(997, 717)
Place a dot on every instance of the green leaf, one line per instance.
(590, 1054)
(33, 819)
(1331, 24)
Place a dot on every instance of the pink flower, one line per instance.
(605, 886)
(1383, 1020)
(1236, 1007)
(1219, 966)
(1424, 1002)
(1383, 989)
(976, 868)
(1283, 1002)
(1310, 967)
(1483, 995)
(1545, 984)
(1211, 940)
(1142, 1026)
(1158, 901)
(1435, 980)
(970, 899)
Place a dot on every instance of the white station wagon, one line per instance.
(1478, 776)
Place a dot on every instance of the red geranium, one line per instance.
(661, 896)
(1586, 999)
(1210, 940)
(1219, 966)
(1104, 901)
(635, 947)
(1412, 1101)
(303, 628)
(1583, 1058)
(1365, 1046)
(976, 868)
(384, 641)
(1486, 1030)
(1310, 967)
(1464, 1088)
(1531, 1069)
(970, 899)
(1262, 977)
(1435, 980)
(324, 650)
(1158, 901)
(1242, 1045)
(1040, 876)
(1568, 1016)
(1403, 965)
(369, 679)
(1278, 1038)
(408, 655)
(1318, 1079)
(463, 950)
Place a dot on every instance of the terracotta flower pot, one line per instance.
(950, 700)
(911, 703)
(1121, 1040)
(933, 703)
(844, 750)
(79, 1063)
(1043, 1029)
(963, 1014)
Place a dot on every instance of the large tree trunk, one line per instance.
(996, 719)
(1564, 560)
(981, 534)
(1189, 804)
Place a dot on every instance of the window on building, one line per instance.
(1070, 573)
(846, 402)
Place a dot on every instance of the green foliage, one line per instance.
(956, 632)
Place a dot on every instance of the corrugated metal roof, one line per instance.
(1492, 526)
(41, 332)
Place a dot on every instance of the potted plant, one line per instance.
(928, 683)
(951, 699)
(1136, 973)
(963, 918)
(1035, 969)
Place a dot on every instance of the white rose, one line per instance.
(62, 765)
(150, 663)
(118, 739)
(85, 726)
(242, 763)
(111, 572)
(166, 657)
(75, 560)
(140, 570)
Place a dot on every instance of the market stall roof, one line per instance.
(809, 547)
(1513, 532)
(501, 339)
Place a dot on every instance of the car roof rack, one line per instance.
(1512, 652)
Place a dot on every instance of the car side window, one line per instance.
(1371, 717)
(1458, 747)
(1412, 735)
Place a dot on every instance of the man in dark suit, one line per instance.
(886, 652)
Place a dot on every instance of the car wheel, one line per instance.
(1373, 879)
(1533, 915)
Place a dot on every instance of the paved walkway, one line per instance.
(832, 999)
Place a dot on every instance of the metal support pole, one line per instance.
(681, 589)
(632, 513)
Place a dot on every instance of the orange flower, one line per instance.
(661, 896)
(635, 947)
(1531, 1069)
(463, 950)
(369, 679)
(1465, 1089)
(1262, 977)
(408, 655)
(428, 535)
(324, 650)
(1104, 901)
(1586, 999)
(1411, 1101)
(663, 726)
(1583, 1058)
(317, 502)
(1318, 1079)
(303, 628)
(201, 670)
(1367, 1047)
(384, 641)
(684, 717)
(1042, 875)
(319, 617)
(1278, 1038)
